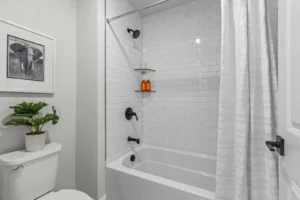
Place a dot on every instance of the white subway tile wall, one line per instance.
(123, 55)
(183, 45)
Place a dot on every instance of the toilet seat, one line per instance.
(66, 195)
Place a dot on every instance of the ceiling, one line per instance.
(170, 4)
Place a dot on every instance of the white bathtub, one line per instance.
(161, 174)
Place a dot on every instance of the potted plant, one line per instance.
(30, 115)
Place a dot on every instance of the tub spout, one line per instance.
(130, 139)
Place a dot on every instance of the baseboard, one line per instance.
(103, 198)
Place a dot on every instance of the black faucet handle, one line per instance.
(137, 119)
(129, 113)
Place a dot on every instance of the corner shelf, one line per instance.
(144, 71)
(144, 91)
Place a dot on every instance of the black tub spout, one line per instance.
(130, 139)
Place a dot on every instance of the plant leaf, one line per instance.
(30, 109)
(19, 122)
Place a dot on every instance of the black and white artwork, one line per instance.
(25, 59)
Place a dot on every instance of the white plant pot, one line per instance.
(35, 142)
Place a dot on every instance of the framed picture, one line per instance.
(27, 60)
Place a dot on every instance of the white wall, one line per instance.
(55, 18)
(183, 113)
(101, 97)
(123, 55)
(90, 143)
(86, 120)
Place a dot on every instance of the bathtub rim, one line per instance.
(117, 165)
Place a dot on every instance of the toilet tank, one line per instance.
(28, 175)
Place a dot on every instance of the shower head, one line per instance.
(135, 34)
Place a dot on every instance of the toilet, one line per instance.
(32, 176)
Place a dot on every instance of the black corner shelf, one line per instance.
(143, 71)
(144, 91)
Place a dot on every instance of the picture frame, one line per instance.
(27, 60)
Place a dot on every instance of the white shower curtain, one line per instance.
(246, 169)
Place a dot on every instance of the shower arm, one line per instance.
(137, 10)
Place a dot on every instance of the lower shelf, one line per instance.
(144, 91)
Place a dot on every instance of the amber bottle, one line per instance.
(143, 85)
(148, 85)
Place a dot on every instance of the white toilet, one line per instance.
(32, 175)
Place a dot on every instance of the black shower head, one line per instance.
(135, 34)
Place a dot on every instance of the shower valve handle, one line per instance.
(279, 145)
(129, 113)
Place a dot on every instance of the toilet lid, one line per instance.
(67, 195)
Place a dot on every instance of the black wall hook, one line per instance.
(279, 145)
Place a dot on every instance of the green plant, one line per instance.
(30, 115)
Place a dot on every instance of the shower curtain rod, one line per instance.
(137, 10)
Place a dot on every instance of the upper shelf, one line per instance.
(143, 71)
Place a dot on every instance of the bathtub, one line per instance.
(160, 173)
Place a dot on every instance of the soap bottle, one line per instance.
(143, 85)
(148, 85)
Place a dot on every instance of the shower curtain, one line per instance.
(246, 169)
